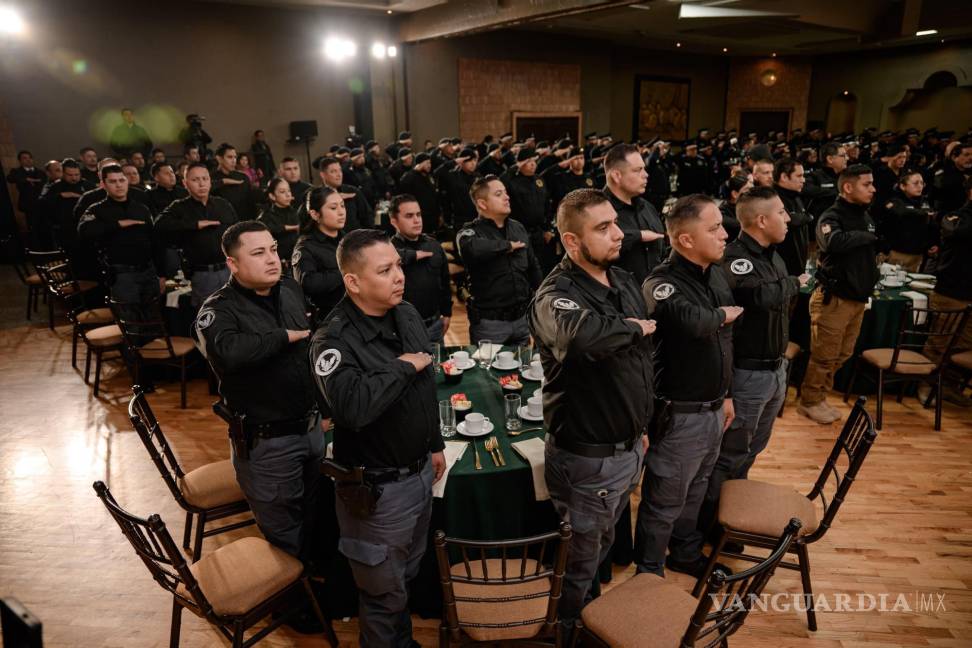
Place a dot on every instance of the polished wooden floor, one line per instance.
(906, 528)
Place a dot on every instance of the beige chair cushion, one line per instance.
(157, 350)
(104, 336)
(33, 280)
(792, 350)
(642, 612)
(500, 612)
(758, 507)
(95, 316)
(239, 576)
(963, 359)
(211, 485)
(909, 362)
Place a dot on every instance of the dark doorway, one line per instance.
(764, 121)
(547, 126)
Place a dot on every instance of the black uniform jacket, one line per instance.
(499, 279)
(846, 238)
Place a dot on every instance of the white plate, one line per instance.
(513, 365)
(528, 374)
(469, 364)
(525, 414)
(487, 428)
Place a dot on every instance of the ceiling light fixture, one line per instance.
(678, 44)
(378, 50)
(392, 51)
(725, 49)
(339, 49)
(926, 32)
(10, 21)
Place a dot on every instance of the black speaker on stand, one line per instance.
(304, 132)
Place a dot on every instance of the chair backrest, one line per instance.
(927, 326)
(850, 450)
(150, 432)
(141, 323)
(54, 270)
(154, 545)
(728, 599)
(519, 561)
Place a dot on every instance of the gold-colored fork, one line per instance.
(478, 464)
(490, 445)
(519, 432)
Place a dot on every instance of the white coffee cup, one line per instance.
(902, 275)
(460, 357)
(475, 422)
(505, 358)
(538, 393)
(534, 406)
(536, 368)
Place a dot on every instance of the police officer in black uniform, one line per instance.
(425, 266)
(290, 171)
(57, 207)
(660, 171)
(503, 271)
(122, 229)
(418, 183)
(254, 333)
(314, 261)
(761, 284)
(231, 184)
(688, 295)
(588, 320)
(950, 178)
(166, 190)
(29, 181)
(492, 162)
(693, 171)
(372, 365)
(530, 205)
(568, 175)
(457, 206)
(821, 185)
(279, 214)
(909, 222)
(644, 235)
(358, 211)
(788, 178)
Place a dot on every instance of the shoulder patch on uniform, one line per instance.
(563, 303)
(889, 205)
(663, 291)
(465, 232)
(327, 362)
(295, 257)
(952, 217)
(741, 266)
(825, 228)
(206, 317)
(589, 182)
(540, 183)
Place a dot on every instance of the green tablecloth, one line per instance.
(495, 502)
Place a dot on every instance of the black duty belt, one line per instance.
(502, 314)
(385, 475)
(279, 428)
(118, 268)
(595, 450)
(758, 365)
(213, 267)
(696, 407)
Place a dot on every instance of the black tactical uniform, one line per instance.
(502, 281)
(57, 209)
(948, 191)
(685, 300)
(598, 399)
(276, 219)
(637, 257)
(729, 221)
(693, 175)
(530, 205)
(846, 266)
(821, 190)
(299, 191)
(659, 181)
(238, 195)
(158, 198)
(30, 183)
(489, 165)
(267, 380)
(563, 181)
(426, 281)
(458, 206)
(795, 248)
(420, 186)
(954, 271)
(314, 264)
(908, 224)
(385, 421)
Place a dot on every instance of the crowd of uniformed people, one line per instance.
(657, 287)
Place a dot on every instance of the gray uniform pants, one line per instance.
(676, 479)
(500, 331)
(591, 495)
(757, 397)
(275, 480)
(206, 282)
(385, 550)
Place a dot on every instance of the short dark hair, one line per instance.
(955, 152)
(907, 173)
(314, 199)
(125, 110)
(231, 237)
(618, 155)
(110, 168)
(196, 165)
(70, 163)
(573, 208)
(323, 162)
(272, 185)
(24, 152)
(738, 181)
(686, 209)
(288, 159)
(785, 166)
(223, 148)
(852, 173)
(829, 149)
(763, 160)
(746, 205)
(398, 201)
(189, 147)
(157, 150)
(158, 166)
(86, 149)
(351, 246)
(480, 186)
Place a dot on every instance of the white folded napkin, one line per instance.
(493, 349)
(172, 297)
(918, 300)
(921, 276)
(531, 450)
(453, 453)
(922, 285)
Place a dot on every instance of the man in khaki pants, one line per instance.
(846, 274)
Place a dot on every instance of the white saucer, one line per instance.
(525, 414)
(513, 365)
(487, 428)
(528, 374)
(469, 364)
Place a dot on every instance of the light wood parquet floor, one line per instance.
(906, 528)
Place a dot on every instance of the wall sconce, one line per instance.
(768, 78)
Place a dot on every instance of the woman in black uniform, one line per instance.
(279, 214)
(314, 262)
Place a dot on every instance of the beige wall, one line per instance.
(747, 90)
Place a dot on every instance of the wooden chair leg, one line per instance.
(182, 368)
(880, 399)
(187, 534)
(30, 298)
(710, 567)
(50, 313)
(238, 634)
(443, 636)
(75, 334)
(328, 630)
(200, 529)
(97, 372)
(176, 624)
(87, 366)
(804, 559)
(938, 403)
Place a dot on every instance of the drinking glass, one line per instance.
(485, 353)
(436, 356)
(447, 419)
(511, 404)
(525, 356)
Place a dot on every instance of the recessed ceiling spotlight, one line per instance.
(926, 32)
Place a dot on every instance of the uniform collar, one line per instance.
(690, 268)
(753, 245)
(405, 241)
(251, 294)
(366, 325)
(849, 206)
(590, 284)
(787, 192)
(617, 203)
(324, 238)
(480, 219)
